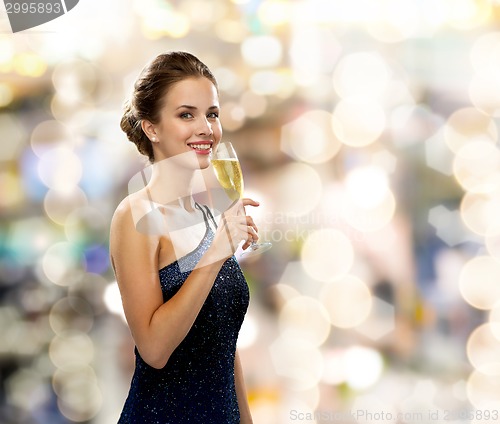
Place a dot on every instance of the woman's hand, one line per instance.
(235, 227)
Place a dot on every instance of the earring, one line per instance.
(153, 139)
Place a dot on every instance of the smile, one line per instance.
(201, 148)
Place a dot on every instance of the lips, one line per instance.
(201, 147)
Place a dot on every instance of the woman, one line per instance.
(183, 293)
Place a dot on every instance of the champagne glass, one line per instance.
(228, 172)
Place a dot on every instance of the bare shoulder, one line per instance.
(132, 221)
(137, 213)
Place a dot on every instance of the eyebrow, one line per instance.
(194, 107)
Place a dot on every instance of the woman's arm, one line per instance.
(157, 327)
(241, 393)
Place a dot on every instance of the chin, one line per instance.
(204, 162)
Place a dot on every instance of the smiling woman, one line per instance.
(183, 292)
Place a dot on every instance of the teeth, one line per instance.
(200, 146)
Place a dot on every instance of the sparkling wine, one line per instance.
(228, 172)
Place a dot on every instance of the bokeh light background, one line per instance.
(368, 129)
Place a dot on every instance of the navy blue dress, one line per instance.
(197, 383)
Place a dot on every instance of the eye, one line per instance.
(186, 115)
(213, 115)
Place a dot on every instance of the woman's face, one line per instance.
(189, 121)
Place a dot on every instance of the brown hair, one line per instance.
(149, 90)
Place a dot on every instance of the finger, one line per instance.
(251, 223)
(252, 233)
(249, 202)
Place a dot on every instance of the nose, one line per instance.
(205, 127)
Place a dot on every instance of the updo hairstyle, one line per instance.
(150, 88)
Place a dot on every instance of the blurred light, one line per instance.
(483, 349)
(282, 293)
(11, 189)
(7, 50)
(29, 238)
(367, 186)
(96, 259)
(327, 254)
(71, 313)
(363, 74)
(26, 389)
(310, 137)
(13, 136)
(253, 104)
(34, 188)
(484, 93)
(334, 370)
(75, 81)
(59, 205)
(468, 125)
(449, 225)
(348, 301)
(386, 160)
(367, 219)
(231, 31)
(478, 282)
(275, 12)
(232, 116)
(202, 14)
(49, 135)
(363, 367)
(59, 261)
(485, 54)
(101, 165)
(298, 189)
(304, 318)
(410, 124)
(389, 31)
(271, 83)
(381, 320)
(437, 154)
(492, 240)
(86, 225)
(228, 80)
(477, 167)
(75, 116)
(60, 169)
(328, 12)
(249, 332)
(70, 350)
(6, 95)
(398, 95)
(79, 397)
(483, 392)
(468, 14)
(494, 321)
(301, 363)
(358, 121)
(113, 300)
(30, 65)
(165, 21)
(313, 53)
(399, 20)
(480, 211)
(263, 51)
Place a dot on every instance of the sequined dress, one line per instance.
(197, 383)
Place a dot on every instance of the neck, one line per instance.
(171, 183)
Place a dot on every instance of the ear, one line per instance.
(150, 130)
